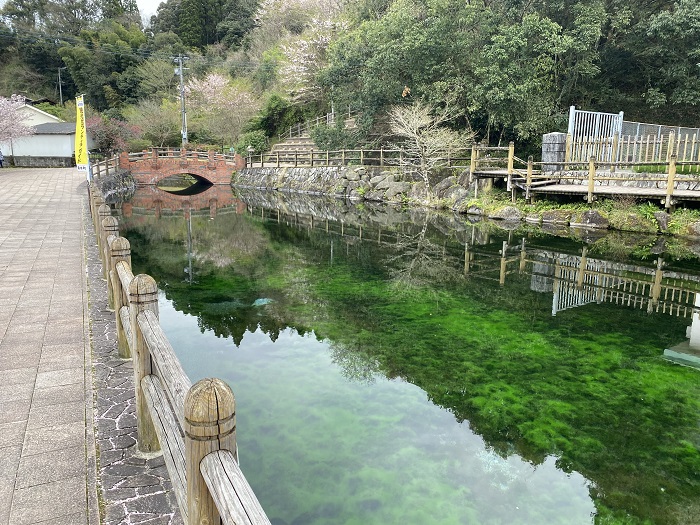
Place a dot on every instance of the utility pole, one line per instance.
(60, 84)
(179, 70)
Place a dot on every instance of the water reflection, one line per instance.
(402, 366)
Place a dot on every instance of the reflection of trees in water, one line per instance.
(419, 262)
(354, 361)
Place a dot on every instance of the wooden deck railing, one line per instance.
(662, 179)
(194, 425)
(655, 148)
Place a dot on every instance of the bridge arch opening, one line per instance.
(184, 184)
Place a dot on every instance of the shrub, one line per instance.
(257, 139)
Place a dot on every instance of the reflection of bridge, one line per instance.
(153, 198)
(151, 167)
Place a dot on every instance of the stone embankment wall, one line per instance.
(379, 184)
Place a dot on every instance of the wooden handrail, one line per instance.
(193, 425)
(231, 490)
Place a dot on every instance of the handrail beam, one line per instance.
(232, 494)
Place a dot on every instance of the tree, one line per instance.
(11, 119)
(306, 58)
(110, 135)
(425, 142)
(159, 123)
(156, 78)
(220, 106)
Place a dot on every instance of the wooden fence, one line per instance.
(194, 425)
(635, 148)
(345, 157)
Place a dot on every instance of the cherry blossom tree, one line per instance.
(11, 119)
(306, 58)
(220, 106)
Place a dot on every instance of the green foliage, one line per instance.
(275, 116)
(335, 137)
(51, 109)
(257, 139)
(681, 219)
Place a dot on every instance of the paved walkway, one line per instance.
(47, 455)
(63, 387)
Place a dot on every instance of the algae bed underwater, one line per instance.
(404, 367)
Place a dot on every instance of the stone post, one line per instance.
(210, 425)
(553, 151)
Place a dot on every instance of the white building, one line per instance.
(51, 146)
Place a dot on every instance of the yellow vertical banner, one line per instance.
(81, 151)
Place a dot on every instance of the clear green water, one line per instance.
(377, 384)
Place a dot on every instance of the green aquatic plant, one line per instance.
(587, 386)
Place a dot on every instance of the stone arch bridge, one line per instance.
(149, 167)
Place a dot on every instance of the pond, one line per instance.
(399, 366)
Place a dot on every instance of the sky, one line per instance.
(148, 8)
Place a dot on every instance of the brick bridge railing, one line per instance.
(149, 167)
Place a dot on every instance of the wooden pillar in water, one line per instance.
(582, 268)
(656, 287)
(502, 276)
(143, 295)
(210, 425)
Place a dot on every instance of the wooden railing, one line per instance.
(345, 157)
(663, 177)
(301, 129)
(194, 425)
(655, 148)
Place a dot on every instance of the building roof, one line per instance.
(55, 128)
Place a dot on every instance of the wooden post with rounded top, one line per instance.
(110, 226)
(143, 295)
(103, 211)
(98, 201)
(119, 250)
(210, 425)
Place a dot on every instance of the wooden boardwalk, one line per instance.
(614, 191)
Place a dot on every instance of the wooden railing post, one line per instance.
(381, 156)
(528, 183)
(97, 201)
(119, 250)
(614, 152)
(210, 425)
(103, 211)
(472, 164)
(591, 179)
(511, 155)
(143, 295)
(110, 230)
(671, 182)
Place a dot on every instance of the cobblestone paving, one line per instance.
(135, 488)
